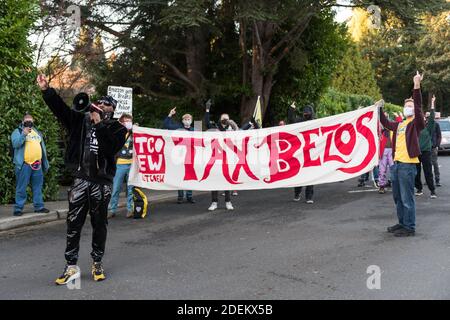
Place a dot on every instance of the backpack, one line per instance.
(140, 204)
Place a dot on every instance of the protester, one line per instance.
(308, 114)
(225, 124)
(425, 140)
(365, 177)
(186, 124)
(30, 162)
(405, 150)
(437, 138)
(94, 140)
(123, 165)
(386, 159)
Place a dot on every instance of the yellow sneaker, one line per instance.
(70, 273)
(97, 271)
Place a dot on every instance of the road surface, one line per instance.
(268, 248)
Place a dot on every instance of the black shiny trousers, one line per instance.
(87, 197)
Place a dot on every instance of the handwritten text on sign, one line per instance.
(124, 97)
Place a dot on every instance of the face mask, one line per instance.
(28, 124)
(107, 115)
(224, 121)
(408, 111)
(307, 115)
(187, 122)
(128, 125)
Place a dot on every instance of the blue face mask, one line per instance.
(408, 111)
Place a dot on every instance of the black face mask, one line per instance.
(28, 124)
(108, 115)
(224, 122)
(307, 115)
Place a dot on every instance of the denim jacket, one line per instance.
(18, 143)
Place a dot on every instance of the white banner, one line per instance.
(314, 152)
(124, 97)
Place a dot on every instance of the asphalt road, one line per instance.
(268, 248)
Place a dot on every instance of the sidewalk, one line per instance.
(58, 209)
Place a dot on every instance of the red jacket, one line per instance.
(412, 129)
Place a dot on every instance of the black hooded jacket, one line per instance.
(293, 118)
(110, 135)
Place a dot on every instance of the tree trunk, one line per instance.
(261, 78)
(195, 63)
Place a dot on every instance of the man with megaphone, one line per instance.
(94, 139)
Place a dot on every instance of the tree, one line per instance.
(19, 94)
(172, 43)
(394, 49)
(434, 58)
(355, 75)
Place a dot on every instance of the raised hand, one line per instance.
(417, 80)
(42, 82)
(208, 105)
(433, 102)
(173, 111)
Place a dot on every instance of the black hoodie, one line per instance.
(97, 166)
(293, 118)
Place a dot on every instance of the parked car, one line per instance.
(445, 129)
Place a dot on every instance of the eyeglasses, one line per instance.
(104, 102)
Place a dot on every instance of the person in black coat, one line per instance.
(307, 114)
(94, 140)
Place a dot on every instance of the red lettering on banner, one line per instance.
(330, 157)
(308, 162)
(345, 148)
(242, 162)
(366, 133)
(150, 153)
(218, 153)
(190, 144)
(337, 141)
(279, 156)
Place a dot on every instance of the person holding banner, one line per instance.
(225, 124)
(308, 114)
(95, 137)
(186, 124)
(405, 151)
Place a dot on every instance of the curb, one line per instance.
(30, 219)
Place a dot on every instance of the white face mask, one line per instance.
(128, 125)
(408, 111)
(187, 122)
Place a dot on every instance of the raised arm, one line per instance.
(59, 108)
(292, 117)
(417, 97)
(388, 124)
(431, 120)
(207, 120)
(168, 124)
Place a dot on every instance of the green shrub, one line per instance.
(335, 102)
(19, 95)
